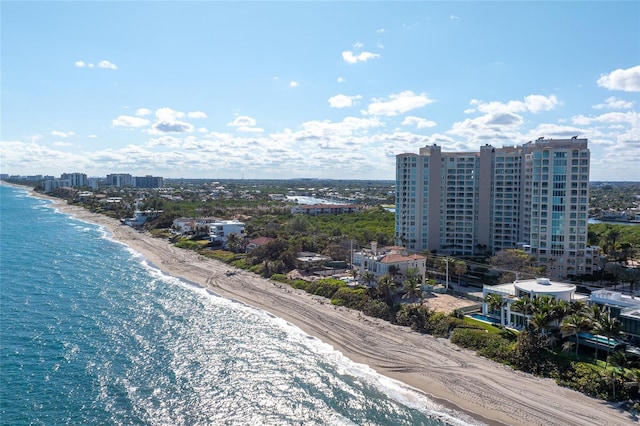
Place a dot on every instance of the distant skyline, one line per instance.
(310, 89)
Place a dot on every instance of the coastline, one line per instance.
(452, 377)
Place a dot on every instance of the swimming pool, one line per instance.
(484, 318)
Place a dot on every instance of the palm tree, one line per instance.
(393, 271)
(412, 289)
(608, 327)
(412, 285)
(460, 268)
(355, 273)
(540, 321)
(386, 287)
(496, 303)
(368, 277)
(522, 306)
(560, 309)
(618, 359)
(573, 325)
(578, 307)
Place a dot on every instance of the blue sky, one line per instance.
(310, 89)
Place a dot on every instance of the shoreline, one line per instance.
(452, 377)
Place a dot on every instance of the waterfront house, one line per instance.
(385, 260)
(219, 231)
(258, 242)
(532, 288)
(624, 307)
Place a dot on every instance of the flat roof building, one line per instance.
(464, 203)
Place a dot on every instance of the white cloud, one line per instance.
(398, 103)
(341, 79)
(351, 58)
(454, 17)
(107, 65)
(202, 130)
(531, 103)
(130, 121)
(93, 136)
(62, 143)
(143, 112)
(380, 30)
(168, 114)
(101, 64)
(358, 45)
(293, 83)
(171, 127)
(629, 117)
(245, 124)
(243, 120)
(420, 123)
(343, 101)
(627, 80)
(62, 134)
(166, 141)
(196, 114)
(613, 103)
(245, 129)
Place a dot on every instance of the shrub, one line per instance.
(585, 378)
(240, 263)
(443, 324)
(300, 284)
(325, 287)
(413, 316)
(221, 255)
(487, 344)
(282, 278)
(377, 309)
(351, 298)
(188, 244)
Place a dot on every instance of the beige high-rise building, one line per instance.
(533, 196)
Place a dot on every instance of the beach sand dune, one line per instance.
(456, 378)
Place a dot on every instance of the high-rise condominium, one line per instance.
(534, 196)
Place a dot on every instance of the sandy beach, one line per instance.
(454, 377)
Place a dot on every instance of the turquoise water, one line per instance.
(485, 318)
(93, 334)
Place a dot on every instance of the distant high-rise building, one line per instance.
(534, 196)
(119, 180)
(76, 179)
(51, 184)
(148, 181)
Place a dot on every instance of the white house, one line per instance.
(537, 287)
(220, 230)
(183, 225)
(379, 261)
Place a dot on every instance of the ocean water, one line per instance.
(91, 333)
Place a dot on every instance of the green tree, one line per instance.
(386, 288)
(460, 268)
(412, 285)
(496, 302)
(368, 277)
(512, 261)
(609, 327)
(573, 325)
(619, 361)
